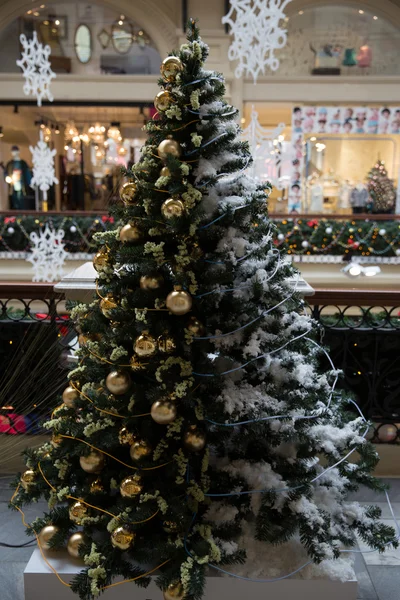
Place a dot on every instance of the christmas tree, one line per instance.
(381, 189)
(197, 416)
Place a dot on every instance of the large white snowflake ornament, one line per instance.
(36, 68)
(43, 166)
(47, 254)
(257, 33)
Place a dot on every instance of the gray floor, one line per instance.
(378, 575)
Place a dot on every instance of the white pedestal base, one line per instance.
(42, 584)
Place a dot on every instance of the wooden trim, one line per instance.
(28, 290)
(351, 297)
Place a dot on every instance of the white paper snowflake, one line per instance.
(36, 68)
(257, 33)
(47, 254)
(43, 166)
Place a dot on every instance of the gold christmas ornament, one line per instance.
(130, 233)
(96, 487)
(179, 302)
(126, 437)
(93, 462)
(131, 486)
(151, 282)
(45, 535)
(145, 345)
(127, 192)
(74, 543)
(173, 208)
(195, 326)
(170, 527)
(140, 449)
(166, 343)
(108, 304)
(28, 478)
(101, 260)
(170, 67)
(122, 538)
(194, 439)
(169, 147)
(163, 412)
(77, 512)
(69, 396)
(174, 592)
(118, 382)
(165, 172)
(163, 100)
(56, 440)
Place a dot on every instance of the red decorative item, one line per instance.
(106, 219)
(312, 223)
(9, 220)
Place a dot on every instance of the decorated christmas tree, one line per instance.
(381, 189)
(197, 421)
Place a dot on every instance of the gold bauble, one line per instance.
(140, 449)
(174, 592)
(169, 147)
(130, 233)
(74, 543)
(101, 260)
(93, 462)
(195, 326)
(165, 172)
(122, 538)
(194, 439)
(126, 437)
(56, 440)
(77, 512)
(163, 100)
(179, 302)
(96, 487)
(108, 304)
(173, 208)
(118, 382)
(151, 282)
(128, 192)
(170, 67)
(131, 486)
(166, 344)
(163, 412)
(70, 394)
(28, 478)
(145, 345)
(170, 527)
(45, 536)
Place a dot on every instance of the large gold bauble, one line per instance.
(174, 591)
(179, 302)
(195, 326)
(93, 462)
(140, 449)
(101, 260)
(28, 478)
(194, 439)
(145, 345)
(170, 67)
(130, 233)
(169, 147)
(151, 282)
(74, 543)
(163, 412)
(77, 512)
(96, 487)
(170, 527)
(128, 192)
(122, 538)
(118, 382)
(126, 437)
(131, 486)
(163, 100)
(166, 343)
(69, 396)
(45, 536)
(107, 305)
(173, 208)
(165, 172)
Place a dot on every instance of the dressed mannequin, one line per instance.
(344, 194)
(317, 196)
(364, 56)
(359, 198)
(18, 177)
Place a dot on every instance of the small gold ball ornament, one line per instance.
(128, 192)
(145, 345)
(163, 100)
(130, 233)
(140, 449)
(170, 67)
(45, 535)
(107, 305)
(69, 396)
(163, 412)
(169, 147)
(166, 344)
(165, 172)
(118, 382)
(131, 486)
(195, 326)
(74, 543)
(93, 462)
(173, 208)
(151, 282)
(96, 487)
(194, 439)
(122, 538)
(77, 512)
(174, 592)
(179, 302)
(28, 478)
(101, 260)
(126, 437)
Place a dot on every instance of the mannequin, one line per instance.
(359, 198)
(344, 194)
(364, 56)
(18, 177)
(316, 196)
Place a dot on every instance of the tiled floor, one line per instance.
(378, 577)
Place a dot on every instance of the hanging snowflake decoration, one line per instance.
(47, 254)
(256, 30)
(36, 68)
(43, 166)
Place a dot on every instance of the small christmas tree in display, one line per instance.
(381, 189)
(197, 421)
